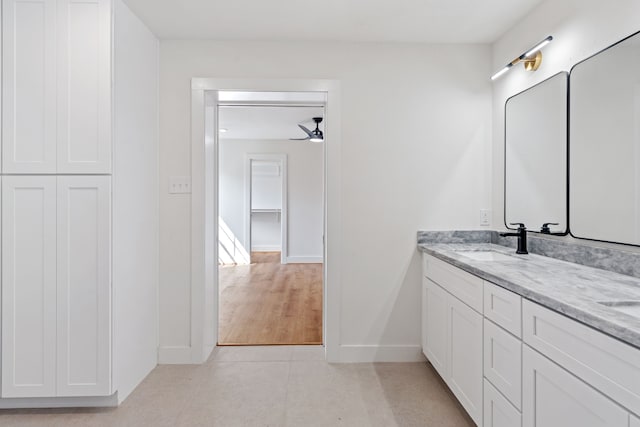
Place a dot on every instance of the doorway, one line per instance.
(270, 245)
(204, 209)
(266, 207)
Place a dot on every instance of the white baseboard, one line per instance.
(60, 402)
(265, 248)
(304, 260)
(174, 355)
(125, 391)
(200, 356)
(380, 353)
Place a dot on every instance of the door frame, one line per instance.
(284, 203)
(204, 207)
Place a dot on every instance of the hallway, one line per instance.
(268, 303)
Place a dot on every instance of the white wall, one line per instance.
(416, 140)
(305, 185)
(266, 232)
(580, 29)
(135, 201)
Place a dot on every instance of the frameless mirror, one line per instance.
(605, 145)
(536, 156)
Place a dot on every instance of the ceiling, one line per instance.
(267, 123)
(422, 21)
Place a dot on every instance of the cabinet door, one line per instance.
(28, 86)
(437, 328)
(552, 397)
(28, 286)
(423, 317)
(503, 362)
(498, 411)
(465, 357)
(84, 86)
(84, 286)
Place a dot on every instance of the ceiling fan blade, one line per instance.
(307, 131)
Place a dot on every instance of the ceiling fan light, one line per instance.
(317, 136)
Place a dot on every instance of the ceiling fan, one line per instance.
(312, 135)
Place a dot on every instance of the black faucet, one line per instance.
(545, 227)
(521, 234)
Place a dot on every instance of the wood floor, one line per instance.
(267, 303)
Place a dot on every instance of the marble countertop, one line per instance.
(571, 289)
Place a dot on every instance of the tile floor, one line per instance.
(271, 386)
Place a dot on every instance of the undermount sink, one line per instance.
(487, 256)
(631, 307)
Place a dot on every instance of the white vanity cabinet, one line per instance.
(453, 337)
(540, 368)
(56, 286)
(56, 86)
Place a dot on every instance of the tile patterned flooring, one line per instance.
(271, 386)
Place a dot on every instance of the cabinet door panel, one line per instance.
(28, 286)
(552, 397)
(498, 411)
(29, 86)
(465, 356)
(437, 329)
(635, 422)
(503, 362)
(84, 286)
(504, 308)
(84, 86)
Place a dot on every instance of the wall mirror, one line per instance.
(536, 156)
(604, 162)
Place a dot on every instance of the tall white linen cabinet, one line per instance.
(56, 203)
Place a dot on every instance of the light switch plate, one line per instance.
(485, 217)
(179, 184)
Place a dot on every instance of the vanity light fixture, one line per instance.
(531, 59)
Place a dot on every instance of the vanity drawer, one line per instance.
(503, 362)
(466, 287)
(498, 412)
(503, 307)
(605, 363)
